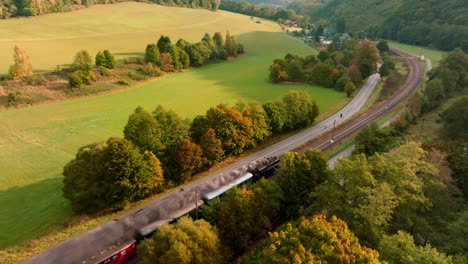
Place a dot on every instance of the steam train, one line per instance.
(262, 168)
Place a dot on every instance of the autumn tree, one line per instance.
(354, 74)
(313, 240)
(185, 242)
(109, 175)
(349, 88)
(152, 54)
(189, 160)
(167, 63)
(212, 147)
(22, 66)
(365, 58)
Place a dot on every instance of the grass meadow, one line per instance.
(434, 55)
(36, 142)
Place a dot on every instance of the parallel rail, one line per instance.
(379, 110)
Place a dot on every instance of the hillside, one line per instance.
(437, 24)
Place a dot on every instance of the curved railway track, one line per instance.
(346, 130)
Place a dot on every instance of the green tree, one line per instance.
(435, 93)
(313, 240)
(400, 248)
(100, 60)
(164, 44)
(300, 110)
(455, 120)
(152, 55)
(108, 176)
(382, 46)
(218, 39)
(185, 242)
(275, 116)
(299, 174)
(22, 66)
(349, 88)
(109, 60)
(144, 131)
(82, 61)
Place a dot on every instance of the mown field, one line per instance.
(37, 142)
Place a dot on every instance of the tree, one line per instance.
(382, 46)
(184, 59)
(108, 176)
(300, 110)
(313, 240)
(164, 44)
(143, 130)
(109, 60)
(435, 93)
(349, 88)
(369, 204)
(212, 147)
(341, 25)
(167, 63)
(400, 248)
(354, 74)
(218, 39)
(189, 159)
(22, 66)
(277, 73)
(185, 242)
(82, 61)
(455, 120)
(365, 58)
(105, 59)
(299, 174)
(275, 116)
(152, 55)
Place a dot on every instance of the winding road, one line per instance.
(91, 246)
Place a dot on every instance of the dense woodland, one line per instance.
(394, 201)
(19, 8)
(438, 24)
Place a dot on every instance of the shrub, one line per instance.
(75, 80)
(150, 70)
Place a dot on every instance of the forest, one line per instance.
(438, 24)
(19, 8)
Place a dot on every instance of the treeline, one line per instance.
(161, 141)
(263, 12)
(18, 8)
(343, 66)
(438, 24)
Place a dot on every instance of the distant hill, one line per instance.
(18, 8)
(434, 23)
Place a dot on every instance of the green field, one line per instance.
(434, 55)
(37, 142)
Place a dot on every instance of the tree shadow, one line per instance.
(27, 212)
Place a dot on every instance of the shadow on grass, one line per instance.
(29, 211)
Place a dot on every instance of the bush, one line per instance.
(135, 76)
(75, 79)
(35, 80)
(104, 71)
(17, 98)
(150, 70)
(122, 82)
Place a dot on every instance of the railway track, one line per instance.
(379, 110)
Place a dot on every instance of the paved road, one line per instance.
(93, 245)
